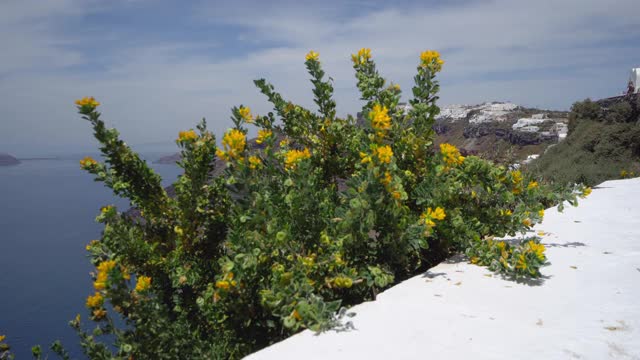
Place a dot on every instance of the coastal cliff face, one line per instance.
(8, 160)
(499, 131)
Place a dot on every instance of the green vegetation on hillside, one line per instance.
(603, 144)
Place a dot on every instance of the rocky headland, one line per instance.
(8, 160)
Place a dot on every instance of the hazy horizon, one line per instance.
(158, 67)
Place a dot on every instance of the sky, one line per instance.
(160, 66)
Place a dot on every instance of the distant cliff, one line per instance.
(7, 160)
(503, 132)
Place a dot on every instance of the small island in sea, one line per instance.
(169, 159)
(7, 160)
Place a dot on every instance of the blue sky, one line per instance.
(159, 66)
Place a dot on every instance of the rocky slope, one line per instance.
(499, 131)
(6, 160)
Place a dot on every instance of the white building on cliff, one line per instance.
(634, 78)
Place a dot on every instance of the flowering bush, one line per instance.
(322, 215)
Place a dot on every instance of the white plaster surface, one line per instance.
(486, 112)
(588, 307)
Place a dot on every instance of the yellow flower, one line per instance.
(362, 56)
(178, 230)
(106, 266)
(254, 162)
(541, 213)
(144, 282)
(527, 222)
(379, 117)
(99, 314)
(106, 209)
(293, 157)
(505, 212)
(87, 162)
(296, 315)
(431, 59)
(187, 135)
(342, 282)
(91, 244)
(538, 249)
(437, 214)
(245, 113)
(451, 154)
(88, 102)
(234, 142)
(263, 135)
(95, 301)
(623, 173)
(364, 158)
(586, 192)
(501, 245)
(223, 284)
(2, 337)
(522, 262)
(430, 215)
(475, 260)
(284, 142)
(532, 185)
(516, 177)
(386, 180)
(384, 154)
(312, 55)
(396, 194)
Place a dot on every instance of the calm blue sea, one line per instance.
(47, 212)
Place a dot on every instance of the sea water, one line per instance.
(47, 216)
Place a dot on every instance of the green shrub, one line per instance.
(297, 230)
(583, 110)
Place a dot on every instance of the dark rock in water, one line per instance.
(169, 159)
(7, 160)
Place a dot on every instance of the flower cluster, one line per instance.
(263, 135)
(245, 114)
(87, 102)
(361, 57)
(294, 156)
(103, 274)
(234, 143)
(384, 154)
(431, 59)
(451, 154)
(143, 283)
(312, 55)
(184, 136)
(254, 162)
(87, 162)
(380, 119)
(430, 215)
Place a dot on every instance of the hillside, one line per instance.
(603, 143)
(503, 132)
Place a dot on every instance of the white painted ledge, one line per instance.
(587, 308)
